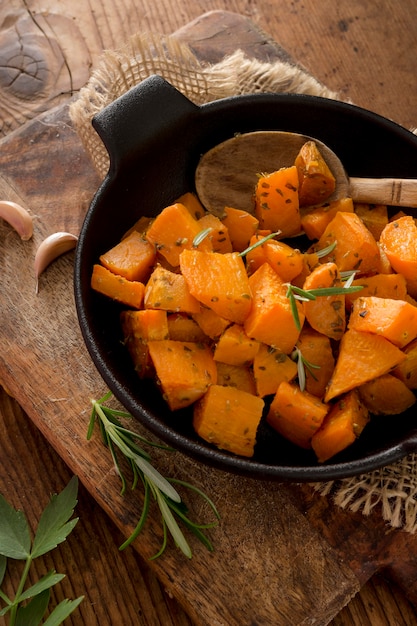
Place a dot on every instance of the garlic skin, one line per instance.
(18, 218)
(50, 249)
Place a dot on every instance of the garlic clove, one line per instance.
(50, 249)
(18, 218)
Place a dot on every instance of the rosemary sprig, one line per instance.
(303, 365)
(258, 243)
(304, 295)
(121, 440)
(201, 236)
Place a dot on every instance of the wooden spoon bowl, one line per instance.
(226, 175)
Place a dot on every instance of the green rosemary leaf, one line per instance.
(201, 236)
(91, 424)
(294, 308)
(302, 294)
(259, 243)
(334, 291)
(173, 527)
(301, 373)
(302, 366)
(198, 491)
(327, 250)
(348, 278)
(118, 469)
(163, 544)
(139, 526)
(199, 534)
(157, 479)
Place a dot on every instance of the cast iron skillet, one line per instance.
(155, 136)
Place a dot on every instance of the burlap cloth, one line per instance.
(392, 489)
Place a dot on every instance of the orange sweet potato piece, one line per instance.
(219, 235)
(169, 291)
(326, 314)
(385, 266)
(284, 259)
(141, 226)
(219, 281)
(316, 181)
(310, 261)
(386, 395)
(399, 242)
(138, 328)
(271, 367)
(315, 221)
(396, 320)
(235, 347)
(118, 288)
(356, 248)
(316, 349)
(276, 202)
(239, 376)
(241, 226)
(210, 323)
(341, 427)
(181, 327)
(184, 370)
(380, 285)
(270, 319)
(407, 370)
(228, 418)
(192, 204)
(374, 216)
(133, 258)
(174, 230)
(362, 357)
(296, 414)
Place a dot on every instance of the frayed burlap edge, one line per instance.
(394, 488)
(148, 54)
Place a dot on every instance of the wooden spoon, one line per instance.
(226, 175)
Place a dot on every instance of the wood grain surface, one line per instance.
(277, 545)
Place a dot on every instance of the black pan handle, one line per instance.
(138, 117)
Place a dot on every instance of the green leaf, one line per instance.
(54, 526)
(201, 236)
(258, 243)
(3, 565)
(115, 435)
(157, 479)
(14, 532)
(5, 610)
(62, 611)
(32, 613)
(46, 582)
(173, 527)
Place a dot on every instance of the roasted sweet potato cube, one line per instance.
(229, 418)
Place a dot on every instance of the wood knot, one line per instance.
(35, 71)
(27, 60)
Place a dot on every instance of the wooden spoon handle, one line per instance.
(392, 191)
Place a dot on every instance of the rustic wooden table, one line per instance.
(363, 50)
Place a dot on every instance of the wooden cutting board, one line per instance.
(284, 555)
